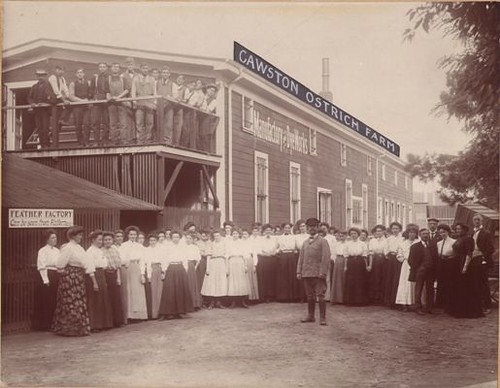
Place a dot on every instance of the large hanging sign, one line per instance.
(269, 72)
(40, 218)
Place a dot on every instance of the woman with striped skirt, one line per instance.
(154, 257)
(71, 316)
(113, 277)
(46, 288)
(215, 283)
(376, 267)
(286, 272)
(355, 253)
(176, 297)
(99, 304)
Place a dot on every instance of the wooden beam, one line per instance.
(211, 186)
(171, 181)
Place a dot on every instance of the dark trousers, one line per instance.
(81, 115)
(42, 122)
(315, 288)
(484, 285)
(59, 113)
(100, 123)
(424, 277)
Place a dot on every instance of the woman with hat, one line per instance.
(406, 290)
(448, 266)
(46, 290)
(71, 317)
(99, 304)
(465, 295)
(356, 260)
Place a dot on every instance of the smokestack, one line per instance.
(326, 93)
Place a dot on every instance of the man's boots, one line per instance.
(322, 313)
(311, 305)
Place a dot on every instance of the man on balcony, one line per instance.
(144, 85)
(118, 128)
(59, 114)
(99, 88)
(165, 108)
(79, 91)
(41, 93)
(128, 77)
(208, 122)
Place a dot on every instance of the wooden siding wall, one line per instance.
(323, 170)
(19, 261)
(176, 217)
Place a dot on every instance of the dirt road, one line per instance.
(265, 346)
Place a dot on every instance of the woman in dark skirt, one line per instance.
(267, 265)
(176, 298)
(392, 265)
(355, 253)
(205, 246)
(376, 266)
(449, 267)
(192, 254)
(465, 300)
(71, 317)
(46, 288)
(154, 256)
(286, 270)
(99, 303)
(113, 277)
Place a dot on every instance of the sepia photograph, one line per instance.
(250, 194)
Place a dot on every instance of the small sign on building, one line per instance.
(41, 218)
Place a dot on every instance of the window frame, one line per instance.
(343, 155)
(319, 191)
(250, 127)
(299, 192)
(261, 155)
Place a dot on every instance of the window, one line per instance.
(386, 213)
(395, 178)
(325, 205)
(398, 212)
(369, 165)
(380, 210)
(313, 142)
(383, 172)
(393, 212)
(343, 155)
(247, 112)
(364, 196)
(410, 214)
(261, 187)
(357, 211)
(294, 192)
(403, 215)
(348, 203)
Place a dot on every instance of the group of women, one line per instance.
(168, 274)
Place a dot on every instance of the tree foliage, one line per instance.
(471, 96)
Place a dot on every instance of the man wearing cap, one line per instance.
(483, 249)
(61, 93)
(41, 93)
(79, 91)
(312, 268)
(208, 123)
(144, 85)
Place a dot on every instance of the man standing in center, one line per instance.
(117, 110)
(165, 108)
(144, 85)
(314, 259)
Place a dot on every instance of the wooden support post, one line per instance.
(211, 186)
(171, 181)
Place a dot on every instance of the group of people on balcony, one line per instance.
(168, 273)
(182, 116)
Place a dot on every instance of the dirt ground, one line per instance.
(265, 346)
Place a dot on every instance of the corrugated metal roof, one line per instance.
(441, 212)
(33, 185)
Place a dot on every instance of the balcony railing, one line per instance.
(186, 127)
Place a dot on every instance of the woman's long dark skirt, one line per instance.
(99, 304)
(465, 296)
(449, 274)
(392, 273)
(376, 279)
(45, 301)
(286, 272)
(193, 284)
(149, 301)
(71, 317)
(176, 295)
(115, 296)
(355, 282)
(266, 277)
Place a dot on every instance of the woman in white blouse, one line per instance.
(446, 267)
(406, 289)
(392, 265)
(338, 273)
(71, 317)
(237, 280)
(215, 283)
(99, 304)
(376, 265)
(133, 258)
(356, 261)
(46, 288)
(267, 264)
(154, 256)
(287, 258)
(176, 298)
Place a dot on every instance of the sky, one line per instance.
(389, 84)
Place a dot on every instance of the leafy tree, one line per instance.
(471, 96)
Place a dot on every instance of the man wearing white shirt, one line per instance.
(61, 91)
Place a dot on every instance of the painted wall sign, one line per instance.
(41, 218)
(269, 72)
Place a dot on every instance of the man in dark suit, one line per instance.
(312, 267)
(483, 248)
(422, 259)
(434, 237)
(41, 93)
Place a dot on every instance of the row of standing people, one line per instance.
(123, 122)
